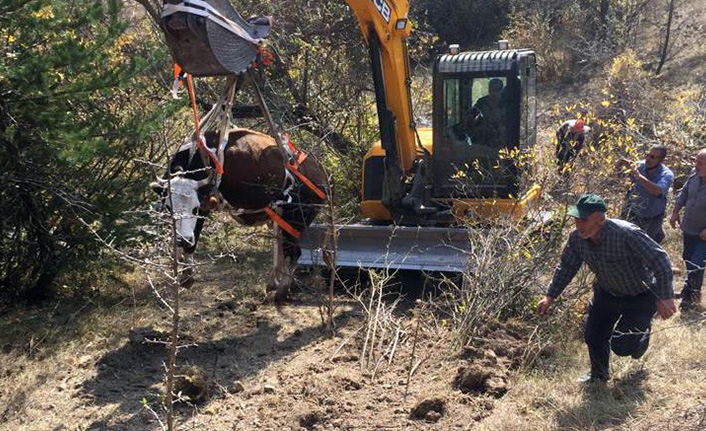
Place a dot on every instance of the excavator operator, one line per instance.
(492, 115)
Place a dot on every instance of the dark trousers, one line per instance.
(695, 257)
(620, 324)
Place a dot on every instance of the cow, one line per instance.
(254, 178)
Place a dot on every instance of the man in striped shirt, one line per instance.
(633, 279)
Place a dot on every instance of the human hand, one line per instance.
(666, 308)
(625, 166)
(702, 235)
(475, 114)
(620, 166)
(674, 220)
(544, 304)
(633, 169)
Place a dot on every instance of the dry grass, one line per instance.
(664, 390)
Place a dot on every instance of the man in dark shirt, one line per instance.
(491, 119)
(633, 280)
(569, 141)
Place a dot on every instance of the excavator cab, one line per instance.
(484, 111)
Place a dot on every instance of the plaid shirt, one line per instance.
(626, 262)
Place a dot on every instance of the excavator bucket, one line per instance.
(394, 247)
(209, 38)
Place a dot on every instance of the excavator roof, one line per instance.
(481, 61)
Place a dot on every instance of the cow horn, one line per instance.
(159, 185)
(207, 180)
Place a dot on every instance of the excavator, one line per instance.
(420, 186)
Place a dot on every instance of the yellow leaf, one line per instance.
(44, 13)
(605, 103)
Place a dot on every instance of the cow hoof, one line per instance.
(281, 295)
(270, 287)
(187, 282)
(187, 278)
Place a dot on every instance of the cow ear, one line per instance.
(157, 187)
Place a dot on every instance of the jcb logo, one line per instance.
(383, 8)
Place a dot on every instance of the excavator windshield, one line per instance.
(478, 122)
(478, 112)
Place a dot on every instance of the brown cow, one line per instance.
(254, 177)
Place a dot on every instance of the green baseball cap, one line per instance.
(587, 205)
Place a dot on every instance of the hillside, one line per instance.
(93, 357)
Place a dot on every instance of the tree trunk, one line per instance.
(665, 45)
(605, 7)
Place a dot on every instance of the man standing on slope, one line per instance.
(693, 199)
(647, 199)
(570, 138)
(633, 280)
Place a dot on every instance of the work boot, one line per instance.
(691, 301)
(593, 378)
(644, 344)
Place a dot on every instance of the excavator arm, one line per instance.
(385, 27)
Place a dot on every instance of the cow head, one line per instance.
(182, 197)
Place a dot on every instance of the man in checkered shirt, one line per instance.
(633, 280)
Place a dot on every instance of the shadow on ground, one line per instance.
(134, 371)
(404, 287)
(605, 406)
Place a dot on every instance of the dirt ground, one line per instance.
(85, 364)
(82, 364)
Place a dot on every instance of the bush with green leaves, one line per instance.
(73, 119)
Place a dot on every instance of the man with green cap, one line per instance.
(633, 280)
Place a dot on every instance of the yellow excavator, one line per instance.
(419, 185)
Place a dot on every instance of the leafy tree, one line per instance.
(470, 23)
(71, 124)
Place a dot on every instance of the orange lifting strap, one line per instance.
(202, 144)
(282, 223)
(294, 167)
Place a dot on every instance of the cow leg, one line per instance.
(273, 281)
(291, 253)
(186, 277)
(284, 264)
(286, 278)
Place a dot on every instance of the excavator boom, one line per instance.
(385, 28)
